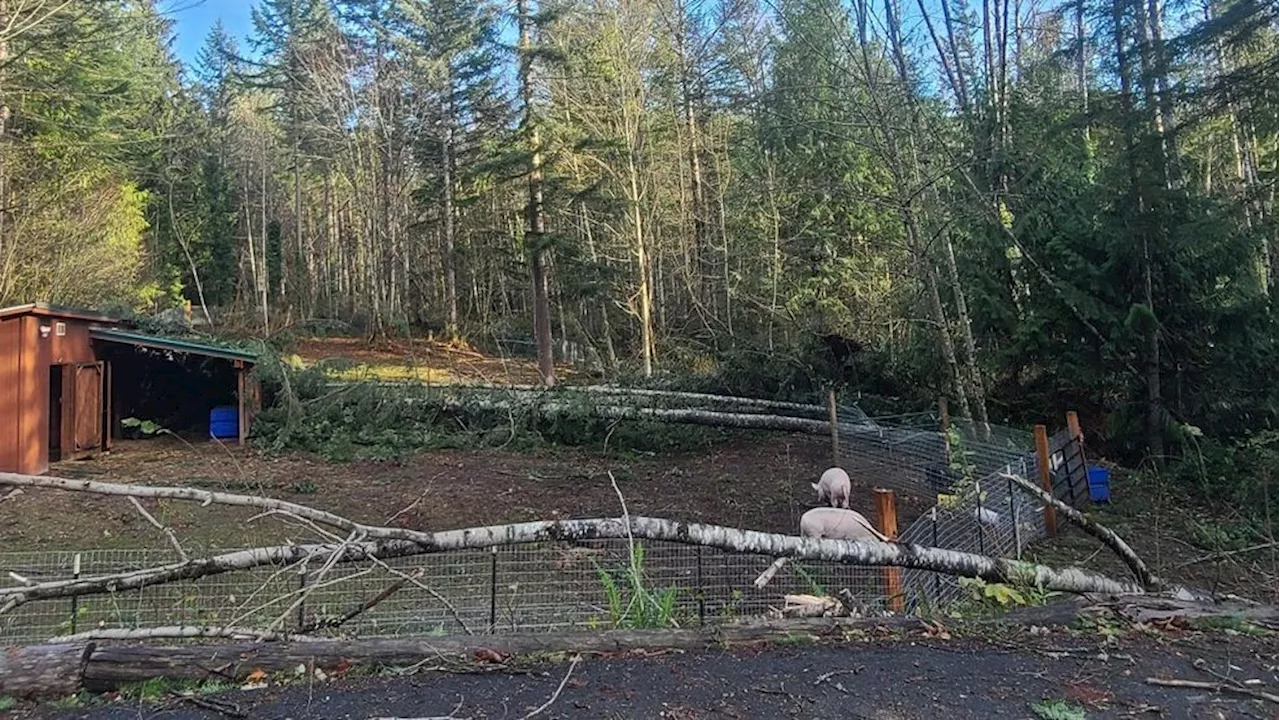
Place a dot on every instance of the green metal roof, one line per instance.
(164, 343)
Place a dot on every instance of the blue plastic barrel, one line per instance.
(1099, 484)
(224, 422)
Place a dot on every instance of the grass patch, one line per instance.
(796, 640)
(631, 603)
(389, 372)
(1231, 625)
(1058, 710)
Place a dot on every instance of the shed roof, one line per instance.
(190, 347)
(58, 311)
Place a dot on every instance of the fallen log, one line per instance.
(1163, 608)
(1104, 534)
(44, 670)
(712, 418)
(61, 669)
(951, 562)
(562, 391)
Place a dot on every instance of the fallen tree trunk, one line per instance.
(61, 669)
(43, 670)
(1104, 535)
(562, 391)
(208, 497)
(1161, 608)
(951, 562)
(712, 418)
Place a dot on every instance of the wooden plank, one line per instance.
(88, 408)
(10, 398)
(242, 419)
(33, 410)
(67, 421)
(887, 524)
(1046, 478)
(1077, 435)
(108, 421)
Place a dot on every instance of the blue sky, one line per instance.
(193, 18)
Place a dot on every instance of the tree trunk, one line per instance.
(1082, 67)
(264, 284)
(1155, 408)
(750, 542)
(447, 207)
(966, 331)
(60, 669)
(534, 221)
(945, 343)
(4, 136)
(611, 355)
(50, 671)
(645, 289)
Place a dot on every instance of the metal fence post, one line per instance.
(75, 600)
(1013, 515)
(977, 518)
(702, 595)
(937, 579)
(302, 603)
(1077, 439)
(493, 590)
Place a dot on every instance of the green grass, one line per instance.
(1231, 624)
(1058, 710)
(795, 640)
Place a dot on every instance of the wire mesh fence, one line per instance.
(522, 588)
(959, 475)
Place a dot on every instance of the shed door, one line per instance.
(88, 406)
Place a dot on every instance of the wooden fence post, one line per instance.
(1073, 425)
(835, 427)
(1046, 479)
(887, 522)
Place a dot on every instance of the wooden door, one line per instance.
(88, 404)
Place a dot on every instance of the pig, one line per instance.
(833, 488)
(838, 524)
(831, 524)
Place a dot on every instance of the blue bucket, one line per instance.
(1099, 484)
(224, 422)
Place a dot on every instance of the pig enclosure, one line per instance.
(556, 585)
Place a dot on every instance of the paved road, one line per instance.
(925, 679)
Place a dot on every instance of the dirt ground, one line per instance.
(1059, 676)
(755, 480)
(1179, 540)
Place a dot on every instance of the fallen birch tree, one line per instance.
(712, 418)
(565, 391)
(376, 542)
(1103, 534)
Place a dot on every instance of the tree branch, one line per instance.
(1102, 533)
(949, 562)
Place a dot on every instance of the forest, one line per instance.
(1017, 206)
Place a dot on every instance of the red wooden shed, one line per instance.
(65, 374)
